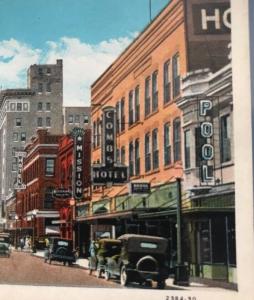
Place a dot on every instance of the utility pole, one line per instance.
(181, 271)
(150, 11)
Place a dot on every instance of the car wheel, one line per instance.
(148, 283)
(107, 275)
(161, 284)
(124, 276)
(98, 273)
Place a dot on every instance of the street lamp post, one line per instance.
(181, 272)
(16, 222)
(73, 206)
(34, 213)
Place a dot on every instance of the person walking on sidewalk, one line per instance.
(22, 244)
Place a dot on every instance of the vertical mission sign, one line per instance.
(78, 148)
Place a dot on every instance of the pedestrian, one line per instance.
(29, 242)
(47, 242)
(92, 248)
(22, 243)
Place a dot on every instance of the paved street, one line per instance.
(23, 268)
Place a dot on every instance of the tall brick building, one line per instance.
(143, 85)
(40, 174)
(23, 111)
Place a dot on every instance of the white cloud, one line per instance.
(15, 57)
(82, 62)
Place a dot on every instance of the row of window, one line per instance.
(41, 70)
(40, 122)
(78, 119)
(19, 136)
(33, 171)
(40, 106)
(172, 152)
(18, 106)
(171, 89)
(44, 87)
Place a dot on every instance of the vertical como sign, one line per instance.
(109, 136)
(78, 139)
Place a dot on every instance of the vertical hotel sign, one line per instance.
(78, 154)
(109, 171)
(19, 185)
(109, 137)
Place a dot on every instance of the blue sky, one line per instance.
(87, 34)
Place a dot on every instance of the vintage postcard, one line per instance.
(125, 158)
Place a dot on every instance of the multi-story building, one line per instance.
(144, 85)
(36, 207)
(208, 181)
(73, 226)
(23, 111)
(76, 116)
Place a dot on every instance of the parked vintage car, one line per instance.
(5, 247)
(142, 259)
(99, 251)
(60, 250)
(40, 243)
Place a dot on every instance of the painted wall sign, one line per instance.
(207, 150)
(140, 187)
(211, 18)
(77, 178)
(19, 185)
(208, 33)
(109, 171)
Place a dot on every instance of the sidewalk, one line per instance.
(195, 283)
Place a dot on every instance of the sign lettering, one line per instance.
(207, 149)
(108, 171)
(78, 138)
(19, 185)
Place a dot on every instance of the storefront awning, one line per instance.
(52, 230)
(43, 214)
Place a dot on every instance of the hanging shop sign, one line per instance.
(102, 175)
(207, 149)
(78, 154)
(19, 185)
(109, 172)
(140, 188)
(62, 193)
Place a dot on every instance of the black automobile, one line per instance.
(40, 243)
(99, 251)
(5, 248)
(60, 250)
(142, 259)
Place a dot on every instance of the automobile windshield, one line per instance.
(148, 245)
(62, 243)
